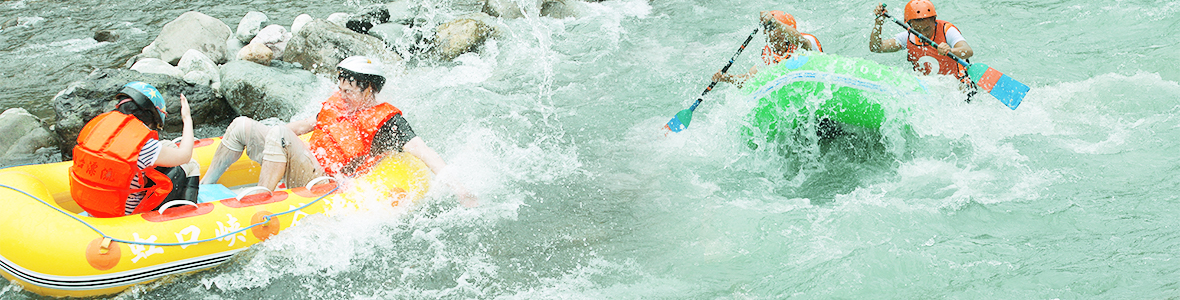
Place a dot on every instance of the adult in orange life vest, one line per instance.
(121, 167)
(351, 132)
(782, 40)
(927, 59)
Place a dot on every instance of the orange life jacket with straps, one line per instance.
(921, 55)
(770, 57)
(339, 139)
(106, 160)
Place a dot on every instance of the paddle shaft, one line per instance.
(924, 38)
(723, 70)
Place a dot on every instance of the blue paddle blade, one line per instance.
(1004, 88)
(1009, 91)
(680, 121)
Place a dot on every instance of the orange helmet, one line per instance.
(919, 9)
(783, 17)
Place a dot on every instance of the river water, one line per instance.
(555, 126)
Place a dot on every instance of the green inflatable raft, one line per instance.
(814, 86)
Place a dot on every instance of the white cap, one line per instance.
(363, 65)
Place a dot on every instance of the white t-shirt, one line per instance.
(147, 159)
(953, 36)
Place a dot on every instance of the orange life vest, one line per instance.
(338, 139)
(105, 161)
(946, 65)
(770, 57)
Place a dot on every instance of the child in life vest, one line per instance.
(121, 167)
(783, 39)
(350, 134)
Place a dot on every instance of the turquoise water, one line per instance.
(556, 127)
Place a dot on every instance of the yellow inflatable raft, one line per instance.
(49, 249)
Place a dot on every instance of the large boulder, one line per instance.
(199, 69)
(261, 92)
(24, 135)
(191, 30)
(461, 36)
(320, 45)
(249, 26)
(84, 99)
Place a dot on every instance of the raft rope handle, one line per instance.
(175, 203)
(107, 237)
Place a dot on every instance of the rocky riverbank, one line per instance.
(260, 69)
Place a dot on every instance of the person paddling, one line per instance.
(927, 59)
(783, 39)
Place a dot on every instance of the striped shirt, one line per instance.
(147, 159)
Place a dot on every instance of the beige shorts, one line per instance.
(273, 144)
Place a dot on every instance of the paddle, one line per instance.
(1004, 88)
(682, 118)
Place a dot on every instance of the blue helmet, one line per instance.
(142, 94)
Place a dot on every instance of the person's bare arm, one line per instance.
(174, 155)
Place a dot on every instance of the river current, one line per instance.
(556, 127)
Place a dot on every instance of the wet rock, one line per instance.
(299, 22)
(338, 18)
(461, 36)
(560, 9)
(274, 37)
(256, 53)
(105, 36)
(508, 9)
(24, 134)
(199, 69)
(261, 92)
(191, 30)
(362, 22)
(232, 46)
(250, 25)
(156, 66)
(469, 6)
(84, 99)
(320, 45)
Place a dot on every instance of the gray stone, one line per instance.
(299, 22)
(460, 36)
(232, 46)
(560, 9)
(106, 36)
(150, 65)
(191, 30)
(84, 99)
(338, 18)
(274, 37)
(320, 45)
(199, 69)
(17, 124)
(250, 25)
(261, 92)
(508, 9)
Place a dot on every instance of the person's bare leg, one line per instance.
(222, 159)
(243, 135)
(272, 172)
